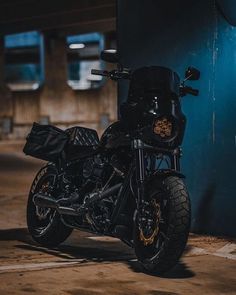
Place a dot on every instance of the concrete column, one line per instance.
(56, 101)
(55, 61)
(64, 106)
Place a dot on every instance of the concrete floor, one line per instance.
(89, 265)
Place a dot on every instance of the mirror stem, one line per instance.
(120, 67)
(187, 77)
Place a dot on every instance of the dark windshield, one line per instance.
(159, 80)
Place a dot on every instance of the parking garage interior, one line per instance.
(47, 51)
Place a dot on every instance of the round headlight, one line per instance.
(164, 128)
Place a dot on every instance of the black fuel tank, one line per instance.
(115, 136)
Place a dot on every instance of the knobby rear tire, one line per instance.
(57, 232)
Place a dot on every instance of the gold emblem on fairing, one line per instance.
(163, 127)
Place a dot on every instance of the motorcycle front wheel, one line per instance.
(162, 251)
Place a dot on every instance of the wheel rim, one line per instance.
(43, 217)
(152, 250)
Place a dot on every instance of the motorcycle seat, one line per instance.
(83, 137)
(82, 142)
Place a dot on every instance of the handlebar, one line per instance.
(125, 74)
(192, 91)
(188, 90)
(99, 72)
(114, 75)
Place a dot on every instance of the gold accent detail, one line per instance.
(45, 186)
(40, 211)
(163, 127)
(149, 240)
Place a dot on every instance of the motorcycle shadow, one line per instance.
(180, 271)
(80, 246)
(85, 248)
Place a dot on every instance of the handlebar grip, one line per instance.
(192, 91)
(99, 72)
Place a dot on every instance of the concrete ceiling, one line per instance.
(69, 16)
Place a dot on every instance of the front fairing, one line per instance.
(156, 106)
(153, 93)
(142, 114)
(163, 108)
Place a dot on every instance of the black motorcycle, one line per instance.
(126, 185)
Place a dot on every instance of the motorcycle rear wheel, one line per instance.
(169, 243)
(45, 225)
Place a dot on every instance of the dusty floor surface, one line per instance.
(90, 265)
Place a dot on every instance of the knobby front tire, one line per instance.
(168, 246)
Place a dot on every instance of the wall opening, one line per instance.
(83, 55)
(23, 61)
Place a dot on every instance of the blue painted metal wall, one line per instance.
(177, 34)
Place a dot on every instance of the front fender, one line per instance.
(163, 173)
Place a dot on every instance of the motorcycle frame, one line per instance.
(138, 167)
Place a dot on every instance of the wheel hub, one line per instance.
(42, 213)
(149, 222)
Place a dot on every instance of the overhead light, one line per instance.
(76, 45)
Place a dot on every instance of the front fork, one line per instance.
(140, 170)
(148, 217)
(175, 159)
(138, 148)
(147, 232)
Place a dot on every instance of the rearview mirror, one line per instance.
(192, 74)
(110, 55)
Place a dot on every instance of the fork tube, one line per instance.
(175, 162)
(140, 169)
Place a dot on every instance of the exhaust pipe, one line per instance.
(45, 201)
(48, 202)
(93, 197)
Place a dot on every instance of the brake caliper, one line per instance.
(149, 219)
